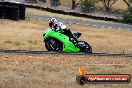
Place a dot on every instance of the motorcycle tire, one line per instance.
(85, 47)
(53, 45)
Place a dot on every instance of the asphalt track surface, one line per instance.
(87, 23)
(58, 53)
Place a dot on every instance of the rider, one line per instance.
(59, 26)
(56, 26)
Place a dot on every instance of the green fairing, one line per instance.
(67, 45)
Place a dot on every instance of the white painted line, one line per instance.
(94, 25)
(70, 22)
(103, 26)
(110, 27)
(128, 29)
(119, 28)
(77, 23)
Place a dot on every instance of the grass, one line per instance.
(32, 43)
(110, 39)
(101, 39)
(58, 71)
(119, 5)
(49, 14)
(22, 31)
(18, 44)
(8, 42)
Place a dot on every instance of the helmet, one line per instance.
(52, 22)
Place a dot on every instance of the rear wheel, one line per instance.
(53, 45)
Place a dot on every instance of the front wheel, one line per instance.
(53, 45)
(84, 47)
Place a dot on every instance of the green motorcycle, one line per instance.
(59, 42)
